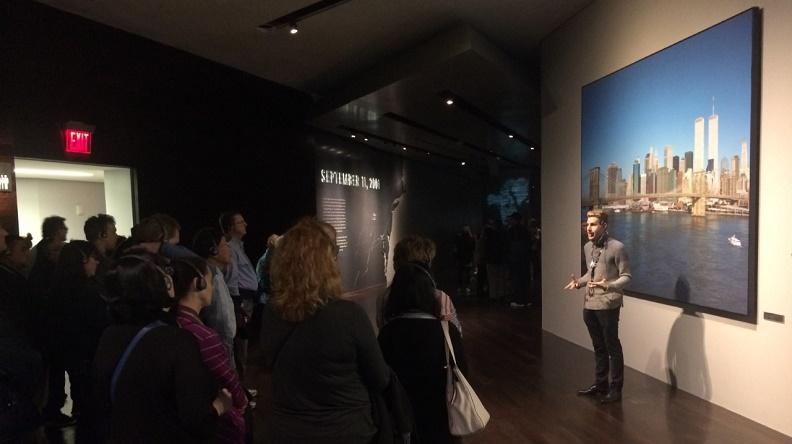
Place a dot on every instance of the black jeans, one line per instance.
(603, 327)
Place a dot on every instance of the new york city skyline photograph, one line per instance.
(667, 150)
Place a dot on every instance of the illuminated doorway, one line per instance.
(75, 191)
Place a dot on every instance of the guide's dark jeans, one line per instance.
(603, 327)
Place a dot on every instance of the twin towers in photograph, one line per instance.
(697, 182)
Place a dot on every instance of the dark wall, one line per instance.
(201, 137)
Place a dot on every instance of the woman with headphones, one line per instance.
(193, 288)
(149, 383)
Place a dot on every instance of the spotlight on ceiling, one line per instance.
(404, 148)
(449, 101)
(463, 163)
(352, 136)
(293, 29)
(532, 148)
(365, 139)
(511, 136)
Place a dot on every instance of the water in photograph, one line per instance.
(665, 247)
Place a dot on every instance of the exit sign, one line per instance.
(77, 141)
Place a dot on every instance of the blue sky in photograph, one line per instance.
(655, 101)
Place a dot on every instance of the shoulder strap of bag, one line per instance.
(122, 362)
(449, 345)
(415, 316)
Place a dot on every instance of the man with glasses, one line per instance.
(608, 273)
(242, 284)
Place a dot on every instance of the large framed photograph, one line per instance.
(670, 151)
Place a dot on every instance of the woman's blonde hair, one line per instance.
(304, 271)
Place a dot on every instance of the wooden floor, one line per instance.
(527, 380)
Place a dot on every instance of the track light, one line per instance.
(293, 30)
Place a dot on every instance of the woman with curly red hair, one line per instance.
(322, 350)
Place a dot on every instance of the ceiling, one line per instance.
(378, 67)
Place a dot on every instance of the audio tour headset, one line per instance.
(200, 280)
(166, 271)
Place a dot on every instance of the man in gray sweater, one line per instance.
(608, 274)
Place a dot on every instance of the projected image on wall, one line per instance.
(667, 149)
(513, 196)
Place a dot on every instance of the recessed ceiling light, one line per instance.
(352, 136)
(511, 136)
(293, 30)
(463, 163)
(404, 148)
(365, 139)
(532, 148)
(449, 101)
(428, 153)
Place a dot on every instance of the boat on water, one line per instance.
(734, 241)
(661, 206)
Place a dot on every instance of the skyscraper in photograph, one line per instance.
(699, 162)
(594, 185)
(668, 154)
(636, 177)
(629, 186)
(662, 180)
(688, 160)
(651, 182)
(613, 177)
(675, 163)
(712, 148)
(735, 166)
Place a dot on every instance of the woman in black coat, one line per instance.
(322, 350)
(413, 344)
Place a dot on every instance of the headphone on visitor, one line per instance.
(200, 283)
(166, 271)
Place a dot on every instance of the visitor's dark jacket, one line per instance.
(323, 369)
(164, 393)
(415, 349)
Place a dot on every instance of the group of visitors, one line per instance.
(152, 336)
(504, 259)
(145, 329)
